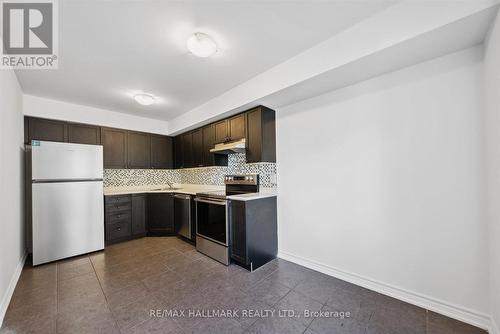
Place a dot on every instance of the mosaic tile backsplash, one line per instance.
(203, 175)
(139, 177)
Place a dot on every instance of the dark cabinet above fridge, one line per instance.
(122, 148)
(84, 134)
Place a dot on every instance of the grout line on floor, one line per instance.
(57, 297)
(426, 321)
(105, 297)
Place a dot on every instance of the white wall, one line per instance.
(492, 90)
(11, 186)
(381, 183)
(47, 108)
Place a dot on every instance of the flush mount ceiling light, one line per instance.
(144, 99)
(201, 45)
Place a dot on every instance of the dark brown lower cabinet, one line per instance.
(117, 221)
(117, 231)
(125, 217)
(139, 210)
(238, 231)
(160, 214)
(137, 215)
(254, 231)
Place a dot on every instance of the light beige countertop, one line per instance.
(263, 193)
(190, 189)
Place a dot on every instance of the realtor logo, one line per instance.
(29, 32)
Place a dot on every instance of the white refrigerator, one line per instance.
(65, 208)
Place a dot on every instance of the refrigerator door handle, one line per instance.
(66, 180)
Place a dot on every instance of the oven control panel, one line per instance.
(251, 179)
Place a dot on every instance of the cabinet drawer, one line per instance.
(117, 230)
(118, 207)
(118, 216)
(117, 199)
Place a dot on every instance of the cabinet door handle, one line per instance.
(119, 229)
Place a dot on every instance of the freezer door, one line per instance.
(68, 219)
(63, 161)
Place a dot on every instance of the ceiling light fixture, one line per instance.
(201, 45)
(144, 99)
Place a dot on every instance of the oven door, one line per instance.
(211, 222)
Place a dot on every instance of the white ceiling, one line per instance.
(110, 50)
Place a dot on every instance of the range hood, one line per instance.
(238, 146)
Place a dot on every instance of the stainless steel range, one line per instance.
(212, 228)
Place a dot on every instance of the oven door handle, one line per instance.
(210, 201)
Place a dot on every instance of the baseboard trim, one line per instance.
(494, 327)
(448, 309)
(10, 290)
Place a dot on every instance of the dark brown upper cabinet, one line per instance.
(197, 147)
(211, 159)
(178, 152)
(261, 135)
(114, 142)
(187, 150)
(161, 152)
(122, 148)
(221, 131)
(230, 129)
(47, 129)
(237, 127)
(208, 143)
(139, 150)
(84, 134)
(257, 126)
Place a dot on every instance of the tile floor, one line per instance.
(115, 290)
